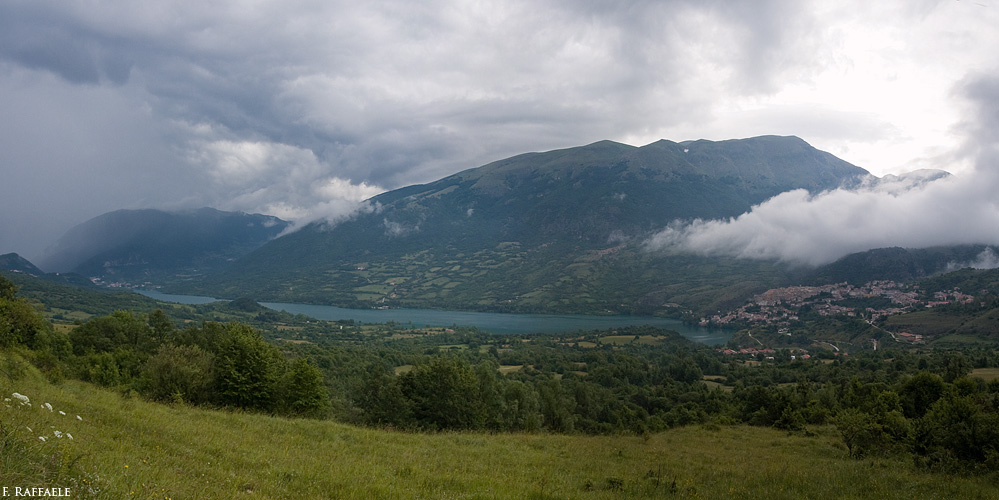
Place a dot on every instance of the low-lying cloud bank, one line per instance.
(799, 228)
(917, 210)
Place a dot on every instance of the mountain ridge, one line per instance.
(144, 244)
(556, 231)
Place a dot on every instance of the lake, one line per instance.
(499, 323)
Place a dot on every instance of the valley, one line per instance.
(518, 314)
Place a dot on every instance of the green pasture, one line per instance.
(124, 447)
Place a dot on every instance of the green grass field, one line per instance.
(986, 374)
(127, 448)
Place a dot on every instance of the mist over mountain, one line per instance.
(562, 230)
(143, 245)
(904, 264)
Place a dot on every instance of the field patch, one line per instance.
(716, 382)
(630, 339)
(986, 374)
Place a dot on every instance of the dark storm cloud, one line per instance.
(301, 108)
(38, 39)
(981, 128)
(427, 80)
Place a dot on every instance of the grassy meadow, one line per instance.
(124, 447)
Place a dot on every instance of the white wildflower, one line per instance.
(22, 398)
(69, 435)
(57, 434)
(47, 406)
(42, 438)
(78, 418)
(29, 428)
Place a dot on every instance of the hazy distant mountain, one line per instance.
(153, 245)
(554, 231)
(16, 263)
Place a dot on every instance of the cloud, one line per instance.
(396, 229)
(800, 228)
(985, 260)
(278, 179)
(918, 210)
(255, 106)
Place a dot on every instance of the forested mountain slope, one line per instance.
(555, 231)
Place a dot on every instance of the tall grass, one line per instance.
(128, 448)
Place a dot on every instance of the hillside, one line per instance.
(140, 246)
(19, 267)
(957, 324)
(125, 448)
(897, 264)
(561, 231)
(16, 263)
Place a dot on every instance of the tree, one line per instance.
(522, 409)
(179, 373)
(383, 403)
(7, 288)
(444, 394)
(20, 323)
(556, 406)
(303, 392)
(121, 329)
(246, 368)
(160, 326)
(920, 392)
(879, 427)
(956, 432)
(858, 430)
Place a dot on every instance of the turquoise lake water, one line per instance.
(499, 323)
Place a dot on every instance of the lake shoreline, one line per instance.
(496, 323)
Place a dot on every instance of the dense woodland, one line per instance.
(636, 380)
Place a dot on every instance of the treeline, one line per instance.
(220, 365)
(921, 404)
(448, 392)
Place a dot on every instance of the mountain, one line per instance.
(16, 263)
(899, 264)
(18, 267)
(560, 231)
(151, 245)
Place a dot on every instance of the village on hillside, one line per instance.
(781, 306)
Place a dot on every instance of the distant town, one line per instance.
(781, 306)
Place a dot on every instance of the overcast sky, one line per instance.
(302, 108)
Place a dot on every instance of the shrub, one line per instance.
(178, 372)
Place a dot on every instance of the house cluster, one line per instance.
(750, 351)
(783, 305)
(765, 353)
(912, 338)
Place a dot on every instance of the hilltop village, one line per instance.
(872, 301)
